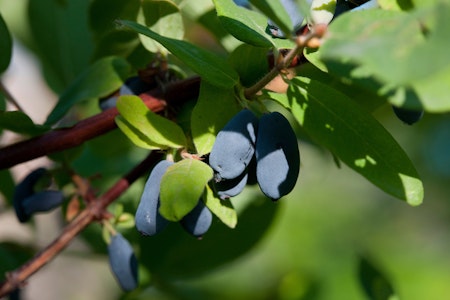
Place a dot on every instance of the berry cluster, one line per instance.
(269, 140)
(148, 219)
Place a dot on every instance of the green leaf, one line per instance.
(215, 106)
(374, 283)
(245, 25)
(101, 19)
(19, 122)
(62, 39)
(275, 11)
(362, 45)
(313, 56)
(395, 4)
(210, 21)
(421, 3)
(108, 39)
(193, 10)
(360, 92)
(117, 43)
(250, 62)
(359, 36)
(99, 80)
(432, 92)
(106, 235)
(209, 66)
(223, 209)
(162, 17)
(5, 46)
(135, 135)
(182, 186)
(125, 221)
(154, 130)
(331, 119)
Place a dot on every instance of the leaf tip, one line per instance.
(413, 189)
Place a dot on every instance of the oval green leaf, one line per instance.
(374, 283)
(211, 67)
(164, 18)
(62, 39)
(250, 62)
(245, 25)
(355, 137)
(135, 135)
(19, 122)
(361, 45)
(182, 186)
(151, 128)
(223, 209)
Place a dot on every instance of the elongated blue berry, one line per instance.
(277, 156)
(27, 202)
(198, 220)
(42, 202)
(234, 146)
(148, 219)
(232, 187)
(123, 262)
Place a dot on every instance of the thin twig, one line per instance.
(301, 42)
(61, 139)
(94, 211)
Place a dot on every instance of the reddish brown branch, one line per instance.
(62, 139)
(66, 138)
(94, 211)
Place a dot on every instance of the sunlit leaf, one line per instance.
(164, 18)
(353, 44)
(223, 209)
(182, 186)
(246, 25)
(153, 129)
(354, 136)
